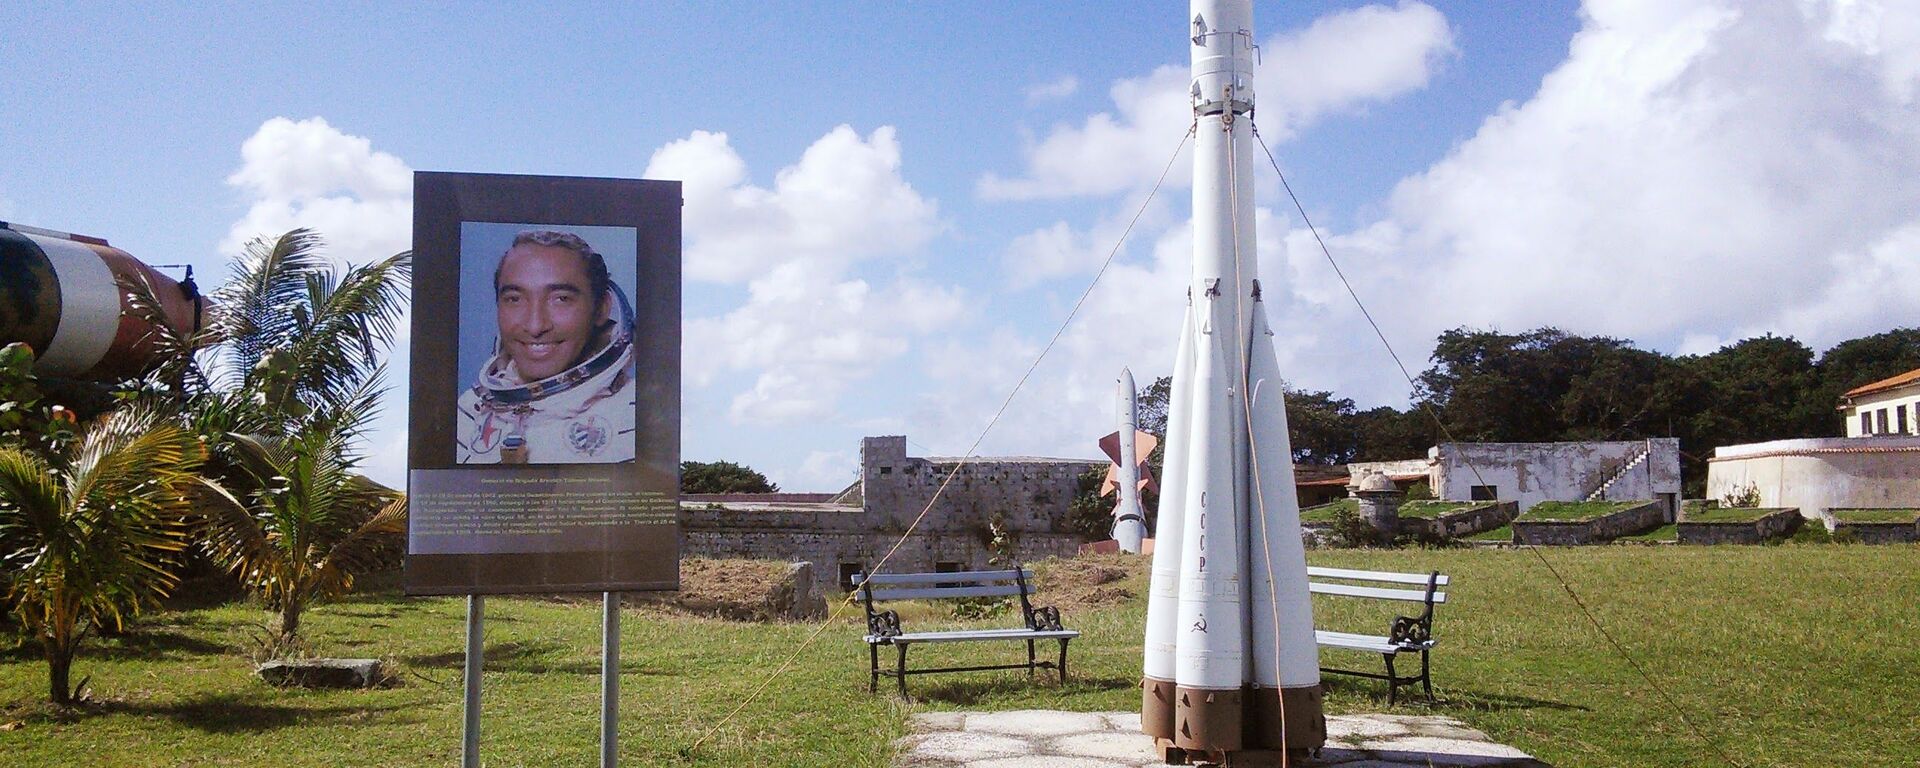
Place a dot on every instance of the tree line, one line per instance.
(1547, 385)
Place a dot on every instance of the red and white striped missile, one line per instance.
(1127, 475)
(1230, 662)
(60, 294)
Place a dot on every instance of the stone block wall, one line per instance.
(1598, 530)
(1024, 500)
(1775, 524)
(1466, 522)
(1881, 533)
(1026, 493)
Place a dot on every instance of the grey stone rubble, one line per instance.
(322, 673)
(1051, 739)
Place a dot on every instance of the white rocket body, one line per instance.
(1129, 520)
(1230, 660)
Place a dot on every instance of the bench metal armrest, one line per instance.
(884, 624)
(1045, 618)
(1411, 630)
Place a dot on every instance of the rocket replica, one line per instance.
(1231, 664)
(61, 294)
(1128, 473)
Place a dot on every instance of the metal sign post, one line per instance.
(470, 751)
(610, 680)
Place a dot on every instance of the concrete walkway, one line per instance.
(1049, 739)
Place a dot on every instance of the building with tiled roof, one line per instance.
(1890, 406)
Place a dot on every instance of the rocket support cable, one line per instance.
(1618, 648)
(1065, 323)
(1246, 342)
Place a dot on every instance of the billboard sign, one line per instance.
(544, 410)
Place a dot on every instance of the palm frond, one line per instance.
(174, 348)
(374, 543)
(349, 322)
(253, 308)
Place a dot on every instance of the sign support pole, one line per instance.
(610, 679)
(470, 750)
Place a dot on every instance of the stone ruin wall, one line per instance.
(1029, 497)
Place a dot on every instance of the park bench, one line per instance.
(1406, 634)
(883, 627)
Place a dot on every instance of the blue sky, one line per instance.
(891, 206)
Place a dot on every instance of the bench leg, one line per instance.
(1426, 676)
(1030, 662)
(1393, 680)
(1063, 660)
(900, 670)
(873, 668)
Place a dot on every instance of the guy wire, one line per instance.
(1065, 323)
(1618, 648)
(1246, 342)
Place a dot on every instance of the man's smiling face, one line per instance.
(546, 311)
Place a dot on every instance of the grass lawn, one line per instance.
(1325, 513)
(1726, 514)
(1668, 532)
(1874, 515)
(1502, 533)
(1790, 655)
(1428, 510)
(1575, 511)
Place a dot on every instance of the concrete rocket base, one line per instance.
(1235, 727)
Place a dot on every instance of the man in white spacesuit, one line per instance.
(559, 387)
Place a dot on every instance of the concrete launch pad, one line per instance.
(1052, 739)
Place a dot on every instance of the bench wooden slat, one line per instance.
(1411, 595)
(1386, 576)
(955, 577)
(957, 636)
(939, 593)
(1375, 643)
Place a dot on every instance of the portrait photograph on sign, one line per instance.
(544, 417)
(546, 344)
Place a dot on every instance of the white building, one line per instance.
(1819, 474)
(1885, 407)
(1530, 473)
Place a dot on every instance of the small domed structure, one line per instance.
(1380, 503)
(1377, 481)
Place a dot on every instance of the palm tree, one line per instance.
(310, 523)
(94, 530)
(283, 380)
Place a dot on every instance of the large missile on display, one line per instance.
(1230, 662)
(1127, 475)
(61, 294)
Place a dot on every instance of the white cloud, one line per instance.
(809, 326)
(1060, 249)
(1342, 62)
(825, 471)
(310, 174)
(1695, 171)
(842, 202)
(1053, 90)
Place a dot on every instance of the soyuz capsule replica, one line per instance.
(1230, 662)
(61, 294)
(1128, 475)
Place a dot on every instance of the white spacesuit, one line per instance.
(582, 415)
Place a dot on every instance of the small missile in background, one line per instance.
(61, 294)
(1128, 473)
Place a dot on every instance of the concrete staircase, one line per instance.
(1636, 460)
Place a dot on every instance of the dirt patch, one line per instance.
(1091, 581)
(740, 590)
